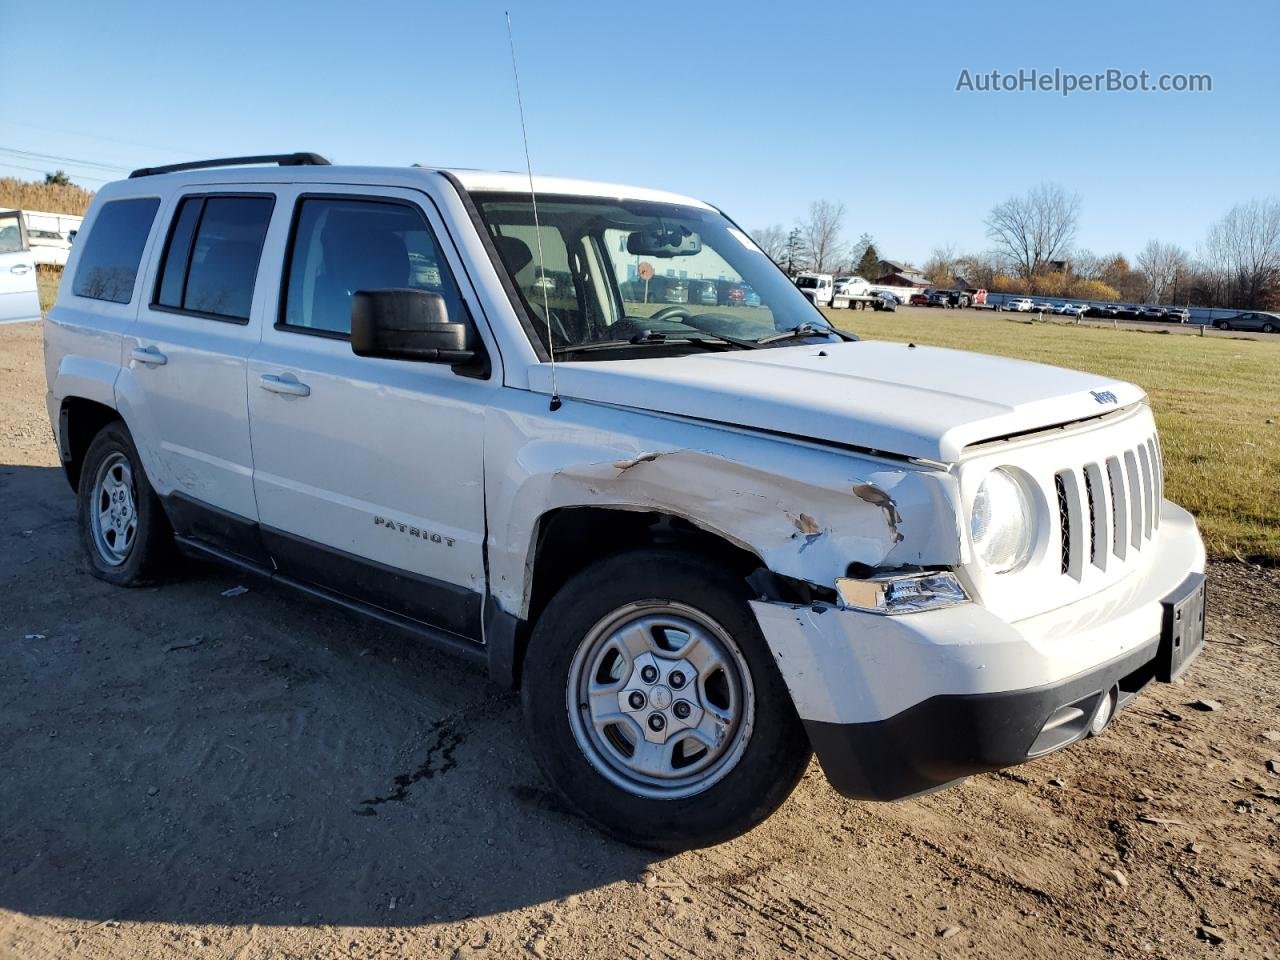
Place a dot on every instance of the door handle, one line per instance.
(21, 269)
(285, 384)
(150, 356)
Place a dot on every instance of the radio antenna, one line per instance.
(537, 227)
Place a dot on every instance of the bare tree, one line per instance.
(1243, 251)
(820, 233)
(773, 241)
(1165, 267)
(940, 268)
(1031, 230)
(1086, 264)
(977, 269)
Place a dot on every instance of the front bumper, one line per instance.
(898, 706)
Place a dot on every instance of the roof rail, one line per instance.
(283, 159)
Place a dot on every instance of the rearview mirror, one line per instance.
(407, 325)
(675, 241)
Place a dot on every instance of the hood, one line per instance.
(923, 402)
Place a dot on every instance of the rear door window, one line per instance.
(113, 250)
(211, 261)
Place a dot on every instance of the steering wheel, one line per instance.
(676, 312)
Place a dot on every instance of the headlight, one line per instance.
(1002, 523)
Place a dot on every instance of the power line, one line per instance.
(94, 136)
(17, 166)
(30, 155)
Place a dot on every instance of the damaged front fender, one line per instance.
(807, 511)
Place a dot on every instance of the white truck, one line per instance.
(817, 287)
(701, 540)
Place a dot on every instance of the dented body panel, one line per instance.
(807, 511)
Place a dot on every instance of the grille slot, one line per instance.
(1099, 526)
(1148, 488)
(1157, 470)
(1064, 520)
(1134, 498)
(1093, 540)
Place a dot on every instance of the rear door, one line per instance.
(368, 472)
(19, 297)
(185, 363)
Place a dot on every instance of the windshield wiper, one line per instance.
(803, 330)
(649, 338)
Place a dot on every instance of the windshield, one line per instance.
(626, 274)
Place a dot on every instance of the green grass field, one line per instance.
(1216, 403)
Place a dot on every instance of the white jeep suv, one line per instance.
(700, 539)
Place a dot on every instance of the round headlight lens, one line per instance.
(1001, 524)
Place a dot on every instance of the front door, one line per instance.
(368, 472)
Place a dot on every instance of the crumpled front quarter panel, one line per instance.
(807, 511)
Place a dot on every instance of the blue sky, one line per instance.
(757, 107)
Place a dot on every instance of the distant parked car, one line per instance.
(19, 298)
(851, 286)
(1265, 322)
(919, 300)
(675, 291)
(704, 292)
(1150, 312)
(939, 298)
(48, 247)
(1020, 305)
(1072, 310)
(1179, 314)
(884, 300)
(1128, 311)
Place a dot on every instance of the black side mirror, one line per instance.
(408, 325)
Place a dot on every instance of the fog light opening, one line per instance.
(1103, 713)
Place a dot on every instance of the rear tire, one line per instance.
(123, 528)
(608, 656)
(1222, 325)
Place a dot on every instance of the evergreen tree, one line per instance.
(869, 264)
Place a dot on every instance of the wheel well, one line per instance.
(80, 421)
(573, 538)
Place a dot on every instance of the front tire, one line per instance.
(123, 528)
(653, 704)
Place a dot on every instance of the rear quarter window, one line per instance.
(112, 252)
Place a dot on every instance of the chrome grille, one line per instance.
(1109, 509)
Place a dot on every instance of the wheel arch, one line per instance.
(570, 539)
(79, 421)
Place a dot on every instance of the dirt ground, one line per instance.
(187, 773)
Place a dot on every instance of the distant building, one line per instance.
(901, 278)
